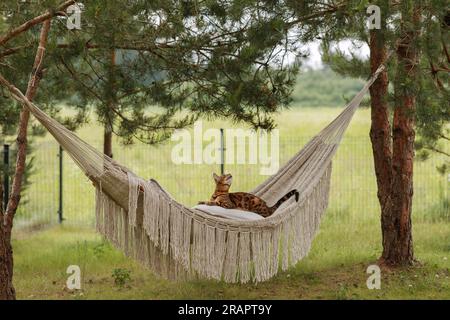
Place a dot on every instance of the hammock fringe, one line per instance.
(172, 242)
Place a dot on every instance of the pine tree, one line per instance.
(414, 32)
(151, 68)
(16, 48)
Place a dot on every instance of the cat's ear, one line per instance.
(216, 177)
(228, 179)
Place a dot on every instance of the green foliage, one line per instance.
(121, 277)
(430, 85)
(433, 107)
(100, 249)
(212, 58)
(149, 63)
(17, 68)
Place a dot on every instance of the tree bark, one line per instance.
(393, 155)
(107, 141)
(107, 137)
(380, 132)
(398, 241)
(13, 201)
(6, 286)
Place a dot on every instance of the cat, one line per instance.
(242, 200)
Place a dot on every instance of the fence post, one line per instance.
(222, 153)
(6, 175)
(60, 206)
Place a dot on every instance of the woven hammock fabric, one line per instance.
(141, 219)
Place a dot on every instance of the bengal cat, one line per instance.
(242, 200)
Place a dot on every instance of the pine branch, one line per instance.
(444, 47)
(11, 51)
(37, 20)
(76, 78)
(314, 15)
(437, 150)
(434, 74)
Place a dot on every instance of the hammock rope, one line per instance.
(145, 222)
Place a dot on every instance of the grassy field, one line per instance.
(334, 269)
(348, 241)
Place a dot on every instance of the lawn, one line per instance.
(334, 269)
(349, 239)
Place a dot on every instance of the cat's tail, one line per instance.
(285, 198)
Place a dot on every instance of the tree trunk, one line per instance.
(6, 286)
(107, 138)
(393, 156)
(107, 141)
(14, 199)
(380, 132)
(397, 242)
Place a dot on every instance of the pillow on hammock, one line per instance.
(233, 214)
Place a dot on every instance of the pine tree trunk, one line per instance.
(6, 287)
(6, 250)
(397, 235)
(380, 132)
(13, 201)
(7, 291)
(107, 141)
(4, 274)
(107, 137)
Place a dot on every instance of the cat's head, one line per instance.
(223, 182)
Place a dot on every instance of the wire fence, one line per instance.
(353, 189)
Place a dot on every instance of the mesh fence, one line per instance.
(353, 191)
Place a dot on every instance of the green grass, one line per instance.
(348, 241)
(334, 269)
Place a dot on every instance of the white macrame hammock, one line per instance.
(141, 219)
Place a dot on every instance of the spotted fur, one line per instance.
(242, 200)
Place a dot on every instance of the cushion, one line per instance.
(233, 214)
